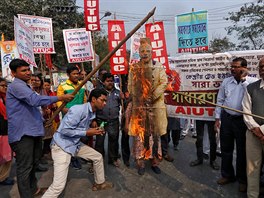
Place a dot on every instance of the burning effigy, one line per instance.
(148, 121)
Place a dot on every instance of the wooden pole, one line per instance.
(222, 106)
(151, 13)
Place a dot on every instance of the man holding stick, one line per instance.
(253, 104)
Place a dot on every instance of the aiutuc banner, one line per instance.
(91, 15)
(8, 53)
(155, 31)
(42, 33)
(192, 32)
(200, 76)
(78, 45)
(116, 32)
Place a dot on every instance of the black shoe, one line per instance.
(194, 136)
(141, 171)
(196, 162)
(127, 163)
(168, 158)
(76, 164)
(182, 137)
(214, 165)
(8, 181)
(41, 169)
(205, 156)
(156, 169)
(218, 154)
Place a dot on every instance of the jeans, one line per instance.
(199, 141)
(233, 129)
(28, 153)
(112, 129)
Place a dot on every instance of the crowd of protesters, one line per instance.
(99, 108)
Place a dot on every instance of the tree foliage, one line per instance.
(10, 8)
(221, 45)
(248, 23)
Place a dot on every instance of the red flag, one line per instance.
(116, 32)
(48, 61)
(91, 15)
(155, 31)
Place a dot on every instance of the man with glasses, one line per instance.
(253, 104)
(233, 128)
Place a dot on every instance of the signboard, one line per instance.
(116, 32)
(192, 32)
(155, 31)
(24, 41)
(91, 15)
(200, 76)
(42, 33)
(78, 45)
(134, 49)
(8, 53)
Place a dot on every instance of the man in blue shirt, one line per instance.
(66, 143)
(25, 126)
(233, 128)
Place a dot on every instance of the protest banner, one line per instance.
(155, 31)
(201, 76)
(24, 41)
(116, 32)
(192, 32)
(42, 33)
(8, 53)
(134, 48)
(78, 45)
(91, 15)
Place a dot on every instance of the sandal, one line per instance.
(103, 186)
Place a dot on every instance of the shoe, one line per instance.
(168, 158)
(114, 163)
(214, 165)
(156, 169)
(7, 182)
(242, 188)
(182, 137)
(127, 163)
(224, 180)
(194, 136)
(103, 186)
(176, 148)
(141, 171)
(205, 156)
(40, 192)
(75, 163)
(41, 169)
(218, 154)
(196, 162)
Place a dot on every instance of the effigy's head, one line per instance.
(145, 50)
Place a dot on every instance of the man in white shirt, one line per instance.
(233, 128)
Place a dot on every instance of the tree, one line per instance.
(248, 22)
(221, 45)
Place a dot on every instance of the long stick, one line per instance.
(222, 106)
(108, 56)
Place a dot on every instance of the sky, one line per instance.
(133, 11)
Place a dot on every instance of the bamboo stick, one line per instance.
(108, 56)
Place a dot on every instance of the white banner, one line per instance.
(8, 53)
(24, 42)
(42, 31)
(135, 43)
(200, 76)
(78, 45)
